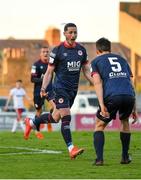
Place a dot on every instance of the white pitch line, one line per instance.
(34, 151)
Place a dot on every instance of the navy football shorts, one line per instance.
(123, 104)
(64, 98)
(39, 102)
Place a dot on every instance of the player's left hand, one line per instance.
(135, 117)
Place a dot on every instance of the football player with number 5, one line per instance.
(113, 85)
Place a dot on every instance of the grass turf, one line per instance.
(59, 166)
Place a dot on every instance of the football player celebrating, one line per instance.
(66, 60)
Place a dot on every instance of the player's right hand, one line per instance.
(104, 112)
(43, 93)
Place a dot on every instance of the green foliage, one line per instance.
(59, 166)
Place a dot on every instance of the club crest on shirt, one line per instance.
(80, 53)
(61, 100)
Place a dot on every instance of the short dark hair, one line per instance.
(19, 80)
(103, 44)
(69, 25)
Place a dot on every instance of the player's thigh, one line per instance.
(19, 112)
(112, 106)
(61, 99)
(56, 115)
(126, 107)
(99, 125)
(72, 95)
(64, 111)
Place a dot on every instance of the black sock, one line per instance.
(125, 141)
(99, 144)
(43, 119)
(65, 129)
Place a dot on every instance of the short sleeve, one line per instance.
(53, 56)
(34, 69)
(85, 57)
(94, 68)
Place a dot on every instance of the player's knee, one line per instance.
(55, 115)
(125, 125)
(100, 125)
(66, 119)
(52, 119)
(125, 128)
(64, 112)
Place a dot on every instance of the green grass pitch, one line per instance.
(48, 158)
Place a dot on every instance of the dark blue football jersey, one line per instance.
(115, 73)
(68, 62)
(37, 72)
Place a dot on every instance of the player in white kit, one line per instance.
(17, 93)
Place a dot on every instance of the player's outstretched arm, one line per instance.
(98, 84)
(134, 114)
(47, 79)
(87, 73)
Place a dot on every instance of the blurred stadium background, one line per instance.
(17, 55)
